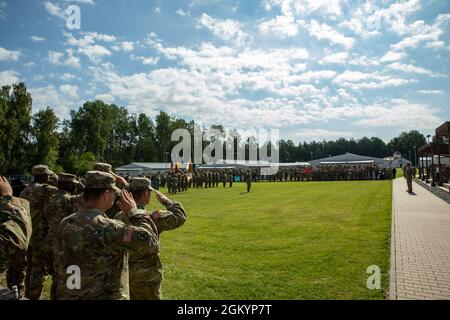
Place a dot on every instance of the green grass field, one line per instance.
(282, 241)
(310, 240)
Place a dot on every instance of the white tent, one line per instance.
(350, 158)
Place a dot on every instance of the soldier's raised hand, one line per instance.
(127, 202)
(161, 198)
(121, 182)
(5, 187)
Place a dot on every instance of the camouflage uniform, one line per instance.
(57, 208)
(15, 234)
(146, 268)
(409, 177)
(99, 247)
(38, 252)
(248, 180)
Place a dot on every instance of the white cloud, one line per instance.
(30, 65)
(125, 46)
(435, 92)
(435, 44)
(95, 52)
(60, 59)
(401, 114)
(306, 134)
(228, 30)
(422, 32)
(357, 80)
(59, 100)
(9, 77)
(324, 7)
(87, 45)
(359, 27)
(323, 31)
(82, 1)
(69, 90)
(157, 10)
(363, 61)
(344, 95)
(88, 38)
(54, 9)
(316, 75)
(412, 69)
(9, 55)
(282, 26)
(182, 13)
(335, 58)
(392, 56)
(3, 13)
(107, 98)
(146, 60)
(67, 77)
(37, 39)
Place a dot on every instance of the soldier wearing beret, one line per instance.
(146, 268)
(38, 194)
(95, 248)
(15, 234)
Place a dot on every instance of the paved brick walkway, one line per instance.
(420, 251)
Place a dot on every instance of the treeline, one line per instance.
(105, 132)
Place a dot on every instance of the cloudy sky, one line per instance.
(315, 69)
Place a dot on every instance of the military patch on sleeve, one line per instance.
(156, 214)
(127, 234)
(142, 236)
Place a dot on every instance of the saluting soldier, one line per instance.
(145, 268)
(94, 249)
(15, 234)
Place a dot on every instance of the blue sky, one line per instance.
(314, 69)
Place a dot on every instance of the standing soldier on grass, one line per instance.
(15, 234)
(248, 180)
(93, 247)
(409, 177)
(145, 268)
(38, 261)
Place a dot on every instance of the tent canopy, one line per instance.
(350, 158)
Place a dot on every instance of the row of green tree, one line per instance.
(105, 132)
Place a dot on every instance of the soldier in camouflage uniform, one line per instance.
(38, 194)
(174, 187)
(146, 268)
(121, 183)
(248, 180)
(96, 247)
(409, 177)
(59, 206)
(15, 234)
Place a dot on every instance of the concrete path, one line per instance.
(420, 248)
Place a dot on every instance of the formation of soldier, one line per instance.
(351, 172)
(100, 230)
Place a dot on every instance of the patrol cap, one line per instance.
(100, 166)
(100, 180)
(40, 169)
(68, 177)
(140, 184)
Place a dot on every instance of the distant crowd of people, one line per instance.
(212, 178)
